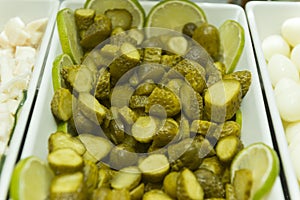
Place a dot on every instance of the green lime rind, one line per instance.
(226, 40)
(266, 188)
(68, 35)
(21, 183)
(250, 153)
(59, 62)
(177, 17)
(133, 6)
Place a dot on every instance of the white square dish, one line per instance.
(266, 18)
(255, 124)
(28, 11)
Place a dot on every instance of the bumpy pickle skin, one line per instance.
(167, 99)
(244, 77)
(84, 17)
(213, 164)
(78, 78)
(168, 132)
(230, 128)
(170, 184)
(91, 175)
(102, 88)
(211, 183)
(222, 100)
(97, 32)
(60, 104)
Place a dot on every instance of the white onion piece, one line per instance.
(290, 30)
(283, 85)
(295, 56)
(275, 44)
(280, 67)
(288, 104)
(292, 130)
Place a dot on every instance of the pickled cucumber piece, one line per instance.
(137, 35)
(105, 175)
(204, 127)
(84, 17)
(192, 102)
(222, 100)
(60, 104)
(189, 29)
(115, 131)
(96, 32)
(207, 35)
(60, 140)
(156, 194)
(78, 77)
(100, 193)
(127, 178)
(81, 124)
(152, 55)
(188, 187)
(119, 37)
(138, 192)
(137, 101)
(122, 156)
(120, 194)
(127, 116)
(170, 184)
(227, 147)
(244, 77)
(129, 58)
(211, 183)
(150, 72)
(170, 60)
(65, 161)
(213, 164)
(193, 72)
(154, 167)
(144, 129)
(230, 128)
(166, 133)
(119, 18)
(145, 89)
(230, 193)
(242, 183)
(68, 186)
(97, 146)
(102, 88)
(90, 172)
(166, 99)
(91, 108)
(221, 67)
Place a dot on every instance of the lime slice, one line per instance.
(31, 180)
(264, 165)
(239, 117)
(133, 6)
(68, 35)
(174, 14)
(232, 41)
(58, 63)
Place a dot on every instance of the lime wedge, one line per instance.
(174, 14)
(133, 6)
(31, 180)
(59, 62)
(232, 41)
(68, 35)
(239, 117)
(264, 165)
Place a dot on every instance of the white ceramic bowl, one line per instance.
(266, 18)
(255, 124)
(27, 10)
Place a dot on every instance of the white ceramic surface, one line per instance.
(266, 18)
(255, 124)
(27, 10)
